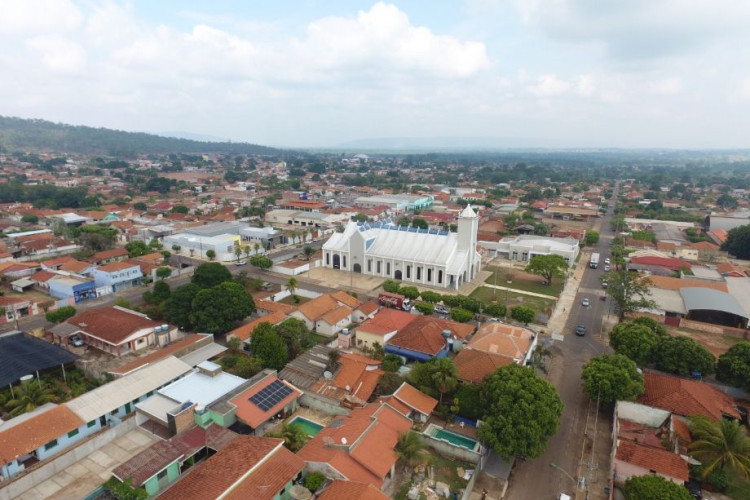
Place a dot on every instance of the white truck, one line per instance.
(594, 262)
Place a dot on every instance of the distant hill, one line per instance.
(18, 134)
(440, 144)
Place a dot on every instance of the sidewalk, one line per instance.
(521, 292)
(567, 298)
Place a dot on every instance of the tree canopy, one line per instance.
(628, 291)
(738, 242)
(733, 366)
(547, 266)
(268, 347)
(180, 304)
(635, 341)
(261, 261)
(524, 314)
(612, 377)
(722, 444)
(521, 412)
(216, 309)
(210, 274)
(683, 355)
(653, 486)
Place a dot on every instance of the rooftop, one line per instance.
(31, 433)
(416, 399)
(686, 397)
(252, 410)
(200, 388)
(112, 324)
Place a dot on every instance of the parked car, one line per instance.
(585, 302)
(240, 263)
(606, 261)
(606, 268)
(76, 341)
(581, 330)
(441, 309)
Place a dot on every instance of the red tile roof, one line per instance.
(224, 469)
(368, 307)
(171, 349)
(268, 479)
(425, 334)
(416, 399)
(244, 332)
(387, 320)
(671, 283)
(109, 254)
(37, 431)
(666, 262)
(271, 306)
(111, 324)
(686, 397)
(663, 462)
(114, 267)
(253, 415)
(349, 490)
(473, 365)
(358, 375)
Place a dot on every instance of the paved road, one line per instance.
(536, 479)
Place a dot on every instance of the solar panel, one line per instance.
(270, 396)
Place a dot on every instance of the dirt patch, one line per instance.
(717, 344)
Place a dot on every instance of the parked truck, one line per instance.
(594, 262)
(395, 300)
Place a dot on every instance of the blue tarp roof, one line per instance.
(22, 354)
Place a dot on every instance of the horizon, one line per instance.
(573, 75)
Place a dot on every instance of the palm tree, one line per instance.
(408, 447)
(309, 251)
(177, 249)
(294, 436)
(256, 247)
(237, 252)
(247, 251)
(28, 396)
(723, 444)
(291, 285)
(444, 376)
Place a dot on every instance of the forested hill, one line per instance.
(18, 134)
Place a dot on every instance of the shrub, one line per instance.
(61, 314)
(496, 310)
(391, 286)
(523, 314)
(425, 308)
(461, 315)
(314, 481)
(431, 297)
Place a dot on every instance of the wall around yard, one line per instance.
(450, 451)
(321, 403)
(55, 465)
(277, 297)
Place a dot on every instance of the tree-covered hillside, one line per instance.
(17, 134)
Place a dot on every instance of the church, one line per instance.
(420, 256)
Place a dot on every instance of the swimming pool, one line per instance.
(453, 438)
(310, 427)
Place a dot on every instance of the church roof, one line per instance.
(468, 213)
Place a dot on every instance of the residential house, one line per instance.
(494, 345)
(16, 308)
(353, 382)
(117, 330)
(328, 314)
(109, 256)
(248, 467)
(412, 402)
(359, 446)
(245, 331)
(382, 327)
(164, 462)
(686, 397)
(349, 490)
(427, 337)
(118, 276)
(307, 368)
(73, 289)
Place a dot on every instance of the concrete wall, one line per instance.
(322, 403)
(300, 291)
(450, 451)
(45, 471)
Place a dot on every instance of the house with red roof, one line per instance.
(109, 256)
(427, 337)
(359, 446)
(664, 266)
(353, 382)
(249, 467)
(412, 402)
(686, 397)
(349, 490)
(245, 331)
(494, 345)
(381, 327)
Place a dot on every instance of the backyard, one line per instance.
(432, 469)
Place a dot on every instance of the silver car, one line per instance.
(585, 302)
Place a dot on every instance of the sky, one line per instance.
(307, 73)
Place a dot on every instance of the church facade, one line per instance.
(430, 257)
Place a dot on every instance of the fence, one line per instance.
(321, 403)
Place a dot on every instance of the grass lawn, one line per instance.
(522, 281)
(290, 300)
(489, 295)
(738, 488)
(320, 339)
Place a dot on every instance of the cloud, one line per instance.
(59, 54)
(548, 86)
(33, 17)
(666, 86)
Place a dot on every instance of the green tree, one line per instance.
(469, 401)
(391, 286)
(738, 242)
(294, 436)
(180, 304)
(592, 237)
(409, 447)
(733, 366)
(238, 252)
(523, 314)
(261, 261)
(682, 356)
(30, 219)
(61, 314)
(495, 310)
(216, 309)
(139, 205)
(268, 347)
(547, 266)
(635, 341)
(308, 251)
(246, 366)
(431, 297)
(211, 254)
(521, 412)
(722, 444)
(163, 273)
(28, 396)
(388, 383)
(137, 248)
(391, 363)
(444, 376)
(210, 274)
(314, 480)
(461, 315)
(291, 285)
(296, 336)
(612, 377)
(410, 292)
(420, 223)
(653, 487)
(425, 308)
(651, 323)
(628, 292)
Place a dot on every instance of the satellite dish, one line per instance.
(343, 440)
(327, 375)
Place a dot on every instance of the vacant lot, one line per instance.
(524, 281)
(510, 299)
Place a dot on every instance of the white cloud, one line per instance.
(585, 85)
(548, 86)
(59, 54)
(666, 86)
(32, 17)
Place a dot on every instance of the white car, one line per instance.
(585, 302)
(606, 261)
(606, 268)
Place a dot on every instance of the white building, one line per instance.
(522, 248)
(434, 257)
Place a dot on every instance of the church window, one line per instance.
(408, 272)
(429, 275)
(343, 260)
(378, 266)
(328, 259)
(440, 276)
(369, 265)
(419, 272)
(387, 268)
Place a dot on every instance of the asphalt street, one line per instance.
(536, 479)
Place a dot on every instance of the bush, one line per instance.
(391, 286)
(523, 314)
(461, 315)
(431, 297)
(61, 314)
(469, 401)
(410, 292)
(391, 363)
(496, 310)
(425, 308)
(314, 481)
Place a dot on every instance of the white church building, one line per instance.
(431, 257)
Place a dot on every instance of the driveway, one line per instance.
(88, 474)
(536, 479)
